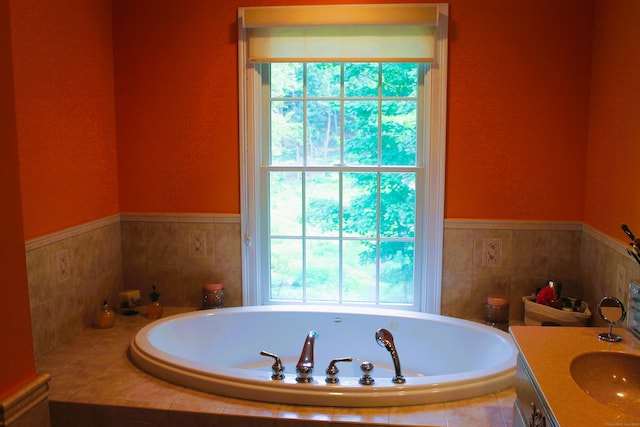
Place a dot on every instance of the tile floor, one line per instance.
(94, 383)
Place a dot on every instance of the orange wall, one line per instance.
(63, 66)
(612, 182)
(16, 357)
(177, 105)
(519, 81)
(518, 107)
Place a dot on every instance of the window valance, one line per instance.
(357, 33)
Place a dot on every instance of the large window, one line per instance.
(340, 171)
(342, 182)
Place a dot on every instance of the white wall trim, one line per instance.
(181, 217)
(616, 245)
(67, 233)
(431, 295)
(497, 224)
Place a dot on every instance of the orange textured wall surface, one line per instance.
(63, 67)
(518, 107)
(613, 188)
(16, 357)
(519, 77)
(177, 106)
(517, 119)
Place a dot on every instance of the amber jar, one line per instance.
(154, 311)
(106, 317)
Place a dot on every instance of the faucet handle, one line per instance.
(277, 366)
(332, 370)
(366, 378)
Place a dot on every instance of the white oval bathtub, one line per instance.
(218, 351)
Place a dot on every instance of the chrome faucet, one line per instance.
(277, 368)
(385, 339)
(304, 368)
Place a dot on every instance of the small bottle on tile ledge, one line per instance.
(154, 311)
(106, 317)
(213, 295)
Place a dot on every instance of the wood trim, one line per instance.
(67, 233)
(57, 236)
(14, 407)
(181, 217)
(479, 224)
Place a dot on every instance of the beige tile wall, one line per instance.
(70, 273)
(158, 250)
(600, 259)
(531, 254)
(129, 251)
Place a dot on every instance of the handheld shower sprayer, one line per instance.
(384, 338)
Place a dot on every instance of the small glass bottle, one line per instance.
(106, 317)
(154, 311)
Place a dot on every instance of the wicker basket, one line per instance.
(535, 314)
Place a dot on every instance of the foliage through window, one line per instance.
(342, 181)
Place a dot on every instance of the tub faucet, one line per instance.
(277, 368)
(385, 339)
(304, 368)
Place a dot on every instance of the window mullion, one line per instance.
(378, 186)
(304, 181)
(341, 193)
(340, 236)
(304, 236)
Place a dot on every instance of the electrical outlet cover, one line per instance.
(62, 265)
(491, 252)
(198, 244)
(621, 279)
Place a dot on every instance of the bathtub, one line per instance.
(218, 351)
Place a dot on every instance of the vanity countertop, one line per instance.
(548, 351)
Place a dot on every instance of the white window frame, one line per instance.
(435, 93)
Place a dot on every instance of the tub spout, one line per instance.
(304, 368)
(385, 339)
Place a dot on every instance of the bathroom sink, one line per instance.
(610, 378)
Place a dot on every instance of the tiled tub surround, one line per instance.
(94, 383)
(605, 269)
(134, 251)
(180, 253)
(588, 263)
(509, 258)
(70, 273)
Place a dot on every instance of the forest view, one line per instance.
(342, 168)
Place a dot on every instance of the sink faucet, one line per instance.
(304, 368)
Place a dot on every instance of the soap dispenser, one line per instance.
(106, 317)
(154, 311)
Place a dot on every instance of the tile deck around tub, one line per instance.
(94, 383)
